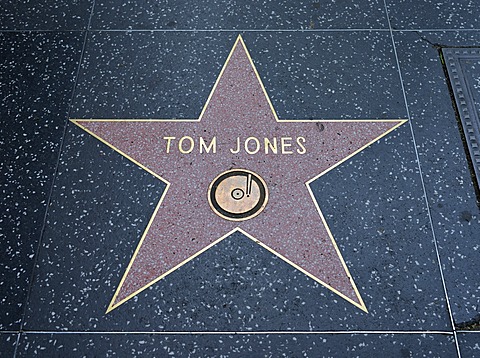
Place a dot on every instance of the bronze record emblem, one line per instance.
(238, 195)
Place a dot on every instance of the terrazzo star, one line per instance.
(266, 197)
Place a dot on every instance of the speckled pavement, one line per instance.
(385, 265)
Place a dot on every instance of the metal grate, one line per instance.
(463, 66)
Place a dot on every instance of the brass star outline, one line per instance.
(82, 123)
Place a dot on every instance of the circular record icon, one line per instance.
(238, 195)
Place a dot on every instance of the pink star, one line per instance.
(238, 129)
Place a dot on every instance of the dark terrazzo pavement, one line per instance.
(37, 74)
(8, 342)
(238, 345)
(375, 203)
(453, 203)
(469, 344)
(238, 15)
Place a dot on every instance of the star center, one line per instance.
(238, 195)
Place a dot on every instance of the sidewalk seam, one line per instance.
(52, 186)
(432, 228)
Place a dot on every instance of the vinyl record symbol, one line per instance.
(238, 195)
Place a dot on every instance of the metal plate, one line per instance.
(463, 66)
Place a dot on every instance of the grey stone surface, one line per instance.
(239, 15)
(242, 345)
(469, 344)
(8, 343)
(86, 239)
(234, 286)
(170, 75)
(37, 75)
(375, 209)
(45, 15)
(329, 75)
(149, 75)
(433, 14)
(452, 200)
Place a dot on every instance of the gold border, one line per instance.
(360, 305)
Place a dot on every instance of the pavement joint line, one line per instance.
(200, 30)
(450, 333)
(434, 30)
(39, 31)
(239, 30)
(422, 181)
(17, 342)
(54, 176)
(284, 30)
